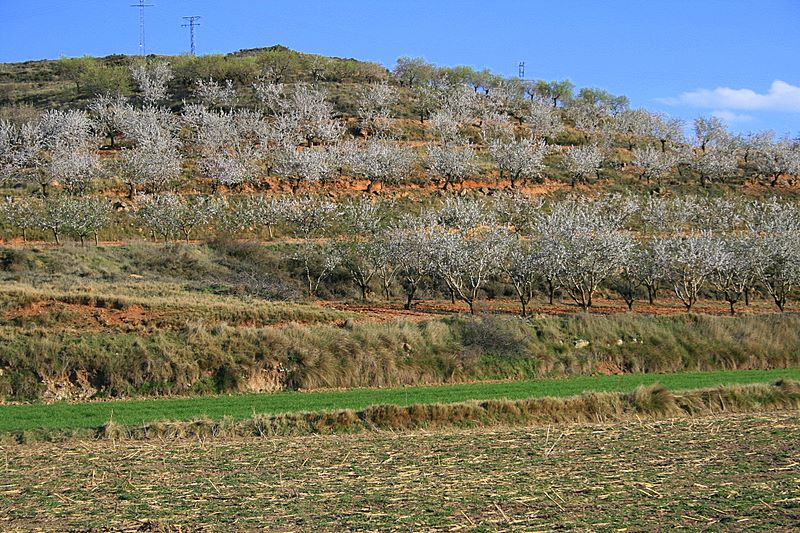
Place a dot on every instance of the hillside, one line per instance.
(73, 82)
(308, 214)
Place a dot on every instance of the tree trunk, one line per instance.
(732, 303)
(96, 239)
(55, 235)
(131, 190)
(410, 298)
(82, 241)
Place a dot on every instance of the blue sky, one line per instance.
(736, 58)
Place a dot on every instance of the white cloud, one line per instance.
(730, 116)
(781, 96)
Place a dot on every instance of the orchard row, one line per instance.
(634, 247)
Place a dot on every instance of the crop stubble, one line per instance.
(734, 472)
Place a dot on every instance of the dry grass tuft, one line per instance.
(650, 402)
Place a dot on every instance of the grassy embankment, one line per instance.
(140, 320)
(78, 416)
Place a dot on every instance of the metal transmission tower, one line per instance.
(191, 24)
(522, 70)
(141, 5)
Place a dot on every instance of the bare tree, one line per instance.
(152, 80)
(736, 269)
(86, 217)
(375, 108)
(381, 161)
(520, 267)
(21, 214)
(229, 147)
(258, 210)
(690, 260)
(579, 245)
(582, 161)
(409, 247)
(169, 214)
(74, 168)
(309, 115)
(214, 94)
(775, 248)
(653, 163)
(270, 95)
(708, 131)
(451, 164)
(543, 120)
(772, 160)
(519, 159)
(715, 164)
(306, 165)
(109, 114)
(53, 216)
(309, 217)
(465, 261)
(44, 148)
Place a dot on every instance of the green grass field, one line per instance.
(132, 412)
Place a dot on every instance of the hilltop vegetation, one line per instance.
(312, 183)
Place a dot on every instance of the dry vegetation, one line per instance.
(729, 472)
(652, 402)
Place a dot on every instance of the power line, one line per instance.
(191, 24)
(141, 5)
